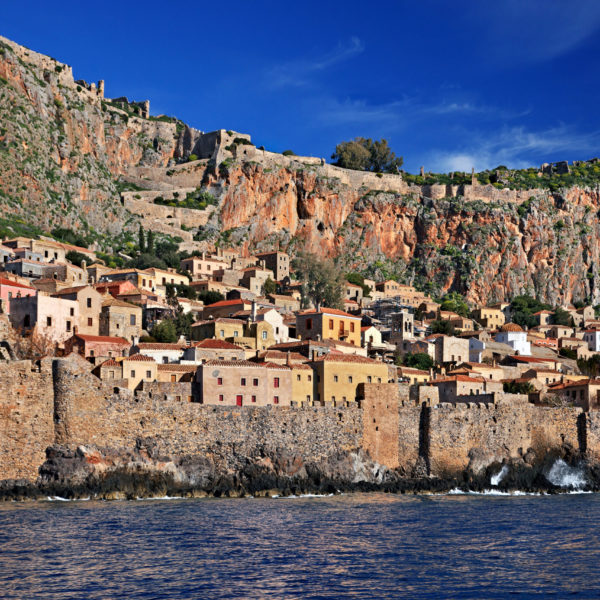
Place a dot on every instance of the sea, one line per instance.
(380, 546)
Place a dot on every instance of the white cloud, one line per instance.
(516, 147)
(298, 73)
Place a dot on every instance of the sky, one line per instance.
(450, 85)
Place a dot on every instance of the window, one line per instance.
(72, 312)
(45, 253)
(49, 321)
(333, 399)
(379, 380)
(219, 381)
(310, 377)
(117, 325)
(132, 374)
(253, 398)
(222, 333)
(143, 282)
(275, 399)
(91, 353)
(148, 374)
(68, 325)
(132, 319)
(111, 374)
(276, 382)
(90, 321)
(349, 378)
(335, 378)
(220, 397)
(235, 334)
(243, 381)
(330, 323)
(308, 397)
(308, 323)
(298, 377)
(352, 326)
(369, 378)
(255, 382)
(88, 303)
(264, 335)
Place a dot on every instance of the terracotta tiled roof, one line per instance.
(216, 345)
(463, 378)
(227, 303)
(348, 358)
(231, 363)
(158, 346)
(4, 281)
(531, 359)
(140, 358)
(106, 339)
(219, 320)
(511, 327)
(69, 290)
(115, 302)
(328, 311)
(111, 362)
(177, 368)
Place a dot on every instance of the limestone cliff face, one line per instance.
(62, 147)
(488, 250)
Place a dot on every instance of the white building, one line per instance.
(476, 348)
(592, 337)
(513, 335)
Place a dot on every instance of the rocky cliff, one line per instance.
(70, 157)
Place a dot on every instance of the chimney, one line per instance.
(288, 359)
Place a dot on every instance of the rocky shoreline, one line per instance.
(117, 474)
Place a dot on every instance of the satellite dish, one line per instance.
(215, 373)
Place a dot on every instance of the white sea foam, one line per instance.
(498, 477)
(563, 475)
(61, 499)
(459, 492)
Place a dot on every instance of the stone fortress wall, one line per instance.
(58, 401)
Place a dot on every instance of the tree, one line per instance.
(180, 290)
(75, 257)
(442, 326)
(165, 332)
(150, 242)
(321, 280)
(518, 387)
(210, 297)
(523, 308)
(358, 279)
(147, 261)
(589, 366)
(418, 360)
(454, 302)
(562, 317)
(270, 287)
(364, 154)
(141, 241)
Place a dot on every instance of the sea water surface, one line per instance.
(350, 546)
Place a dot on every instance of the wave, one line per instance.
(498, 477)
(563, 475)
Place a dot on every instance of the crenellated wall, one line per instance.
(59, 401)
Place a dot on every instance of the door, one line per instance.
(238, 400)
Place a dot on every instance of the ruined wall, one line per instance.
(26, 417)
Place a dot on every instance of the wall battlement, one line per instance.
(59, 401)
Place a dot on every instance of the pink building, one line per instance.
(11, 289)
(97, 348)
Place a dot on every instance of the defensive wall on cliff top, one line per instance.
(58, 401)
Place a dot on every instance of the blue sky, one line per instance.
(450, 85)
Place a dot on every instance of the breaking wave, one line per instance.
(563, 475)
(498, 477)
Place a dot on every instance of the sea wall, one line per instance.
(59, 402)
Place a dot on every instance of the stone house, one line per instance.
(489, 318)
(225, 308)
(163, 277)
(97, 348)
(592, 338)
(138, 369)
(202, 267)
(212, 349)
(90, 305)
(558, 331)
(54, 318)
(543, 317)
(402, 325)
(31, 269)
(448, 349)
(241, 383)
(254, 278)
(220, 328)
(462, 388)
(329, 323)
(277, 262)
(302, 384)
(171, 373)
(584, 393)
(337, 377)
(143, 280)
(120, 319)
(412, 376)
(287, 303)
(13, 289)
(116, 288)
(269, 315)
(513, 335)
(353, 292)
(370, 335)
(160, 353)
(487, 371)
(462, 324)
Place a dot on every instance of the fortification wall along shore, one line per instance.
(59, 401)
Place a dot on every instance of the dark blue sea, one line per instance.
(355, 546)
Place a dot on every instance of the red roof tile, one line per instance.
(106, 339)
(216, 344)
